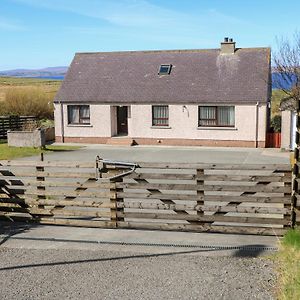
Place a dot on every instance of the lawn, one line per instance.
(289, 266)
(16, 152)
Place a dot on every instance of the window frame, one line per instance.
(169, 66)
(216, 118)
(78, 108)
(154, 118)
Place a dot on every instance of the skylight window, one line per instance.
(164, 69)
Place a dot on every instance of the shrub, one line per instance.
(33, 101)
(276, 123)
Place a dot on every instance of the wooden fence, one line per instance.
(13, 123)
(252, 199)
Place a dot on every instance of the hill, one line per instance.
(50, 72)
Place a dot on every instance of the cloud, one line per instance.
(147, 20)
(131, 12)
(10, 25)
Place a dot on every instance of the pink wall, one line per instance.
(182, 123)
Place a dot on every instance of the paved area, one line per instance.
(75, 274)
(67, 237)
(173, 154)
(56, 262)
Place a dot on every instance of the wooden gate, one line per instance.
(254, 199)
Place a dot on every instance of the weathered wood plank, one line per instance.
(57, 164)
(204, 218)
(250, 198)
(244, 188)
(208, 166)
(161, 176)
(217, 198)
(147, 186)
(204, 228)
(64, 193)
(61, 184)
(69, 213)
(72, 222)
(205, 208)
(249, 178)
(150, 195)
(50, 174)
(193, 187)
(76, 203)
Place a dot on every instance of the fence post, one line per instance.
(39, 178)
(114, 200)
(294, 193)
(200, 190)
(288, 184)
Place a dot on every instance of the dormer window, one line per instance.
(164, 69)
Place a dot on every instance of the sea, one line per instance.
(49, 77)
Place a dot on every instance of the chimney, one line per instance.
(227, 46)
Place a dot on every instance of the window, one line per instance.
(78, 114)
(164, 69)
(222, 116)
(160, 115)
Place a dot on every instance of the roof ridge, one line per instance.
(166, 51)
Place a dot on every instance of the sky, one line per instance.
(46, 33)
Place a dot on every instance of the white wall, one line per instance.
(100, 119)
(182, 123)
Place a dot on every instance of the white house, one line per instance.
(214, 97)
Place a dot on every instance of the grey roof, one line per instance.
(197, 76)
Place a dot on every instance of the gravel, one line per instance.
(102, 274)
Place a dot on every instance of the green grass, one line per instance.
(292, 239)
(17, 152)
(28, 81)
(289, 266)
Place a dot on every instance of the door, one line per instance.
(122, 122)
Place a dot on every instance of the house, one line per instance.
(288, 108)
(215, 97)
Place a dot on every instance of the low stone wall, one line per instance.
(34, 138)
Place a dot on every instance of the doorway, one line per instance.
(122, 120)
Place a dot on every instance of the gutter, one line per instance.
(62, 122)
(256, 124)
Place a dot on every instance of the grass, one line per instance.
(277, 96)
(7, 152)
(12, 83)
(289, 266)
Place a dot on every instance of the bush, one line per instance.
(33, 101)
(276, 123)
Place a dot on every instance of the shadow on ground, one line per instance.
(10, 229)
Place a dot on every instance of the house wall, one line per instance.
(182, 128)
(286, 129)
(98, 131)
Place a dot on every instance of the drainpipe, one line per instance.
(256, 124)
(62, 122)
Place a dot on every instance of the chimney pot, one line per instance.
(228, 46)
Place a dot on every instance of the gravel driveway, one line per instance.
(77, 274)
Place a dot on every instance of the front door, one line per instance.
(122, 124)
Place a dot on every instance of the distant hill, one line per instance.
(60, 72)
(51, 72)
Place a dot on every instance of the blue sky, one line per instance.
(42, 33)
